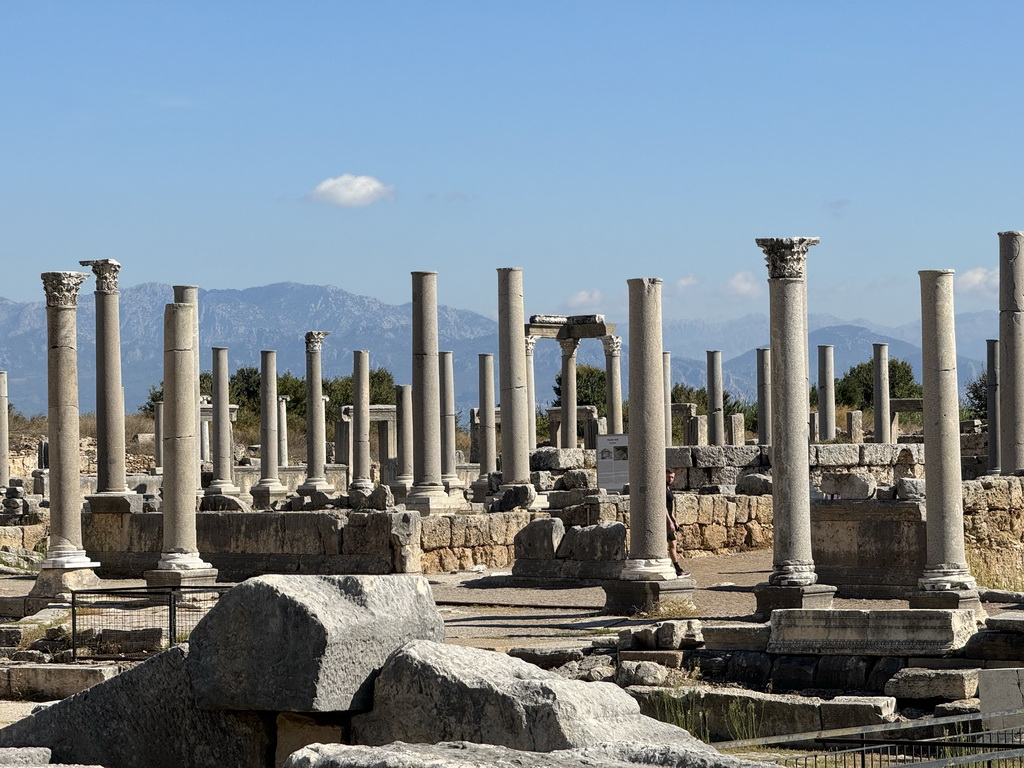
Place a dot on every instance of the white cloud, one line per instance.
(683, 284)
(980, 280)
(743, 284)
(350, 191)
(586, 301)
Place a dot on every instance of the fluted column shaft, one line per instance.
(515, 450)
(992, 376)
(716, 399)
(883, 419)
(613, 381)
(569, 347)
(826, 393)
(764, 396)
(425, 387)
(446, 381)
(1011, 353)
(223, 458)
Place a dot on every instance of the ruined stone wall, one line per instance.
(994, 531)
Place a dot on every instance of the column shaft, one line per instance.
(268, 421)
(425, 387)
(666, 369)
(361, 422)
(569, 426)
(316, 417)
(486, 429)
(613, 382)
(515, 450)
(530, 342)
(158, 434)
(716, 399)
(189, 294)
(764, 396)
(883, 422)
(5, 434)
(446, 374)
(992, 376)
(403, 419)
(1011, 353)
(223, 458)
(826, 393)
(282, 430)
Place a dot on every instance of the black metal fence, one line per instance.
(134, 623)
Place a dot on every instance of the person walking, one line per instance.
(671, 526)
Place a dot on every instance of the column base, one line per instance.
(68, 559)
(630, 597)
(222, 488)
(316, 485)
(195, 577)
(652, 569)
(770, 597)
(949, 599)
(452, 483)
(264, 496)
(479, 490)
(400, 488)
(56, 584)
(113, 502)
(361, 485)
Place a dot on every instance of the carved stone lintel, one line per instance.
(531, 342)
(62, 288)
(106, 274)
(569, 346)
(315, 340)
(786, 256)
(612, 345)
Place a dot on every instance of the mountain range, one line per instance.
(277, 317)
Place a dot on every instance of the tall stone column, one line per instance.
(515, 449)
(792, 583)
(716, 399)
(282, 430)
(666, 385)
(485, 431)
(361, 481)
(269, 488)
(446, 380)
(316, 418)
(826, 393)
(946, 582)
(764, 396)
(205, 452)
(883, 420)
(110, 448)
(992, 376)
(427, 492)
(180, 562)
(5, 434)
(66, 566)
(569, 347)
(223, 451)
(158, 435)
(403, 423)
(1011, 353)
(613, 381)
(189, 294)
(531, 392)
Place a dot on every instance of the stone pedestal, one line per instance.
(626, 598)
(316, 425)
(880, 401)
(192, 577)
(950, 599)
(716, 399)
(613, 382)
(771, 598)
(269, 489)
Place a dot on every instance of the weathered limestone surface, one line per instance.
(306, 643)
(917, 683)
(517, 705)
(152, 712)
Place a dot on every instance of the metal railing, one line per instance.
(133, 623)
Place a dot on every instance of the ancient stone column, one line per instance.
(189, 294)
(515, 449)
(282, 429)
(826, 393)
(883, 423)
(446, 374)
(992, 376)
(531, 391)
(110, 449)
(792, 581)
(666, 384)
(946, 582)
(66, 566)
(269, 488)
(485, 430)
(569, 347)
(1011, 353)
(180, 562)
(205, 454)
(223, 451)
(428, 489)
(361, 481)
(716, 399)
(316, 418)
(648, 552)
(5, 434)
(764, 396)
(613, 381)
(158, 435)
(403, 423)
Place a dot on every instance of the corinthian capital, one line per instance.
(612, 345)
(315, 340)
(62, 288)
(786, 256)
(531, 342)
(106, 274)
(569, 346)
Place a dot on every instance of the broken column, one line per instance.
(946, 582)
(792, 583)
(613, 381)
(180, 563)
(515, 416)
(223, 451)
(826, 393)
(880, 400)
(361, 481)
(568, 391)
(530, 342)
(764, 396)
(449, 470)
(666, 372)
(1011, 353)
(716, 399)
(316, 418)
(269, 488)
(992, 381)
(485, 430)
(5, 434)
(403, 426)
(428, 492)
(66, 566)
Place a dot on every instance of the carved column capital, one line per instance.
(569, 346)
(612, 345)
(786, 256)
(315, 340)
(106, 274)
(531, 342)
(62, 288)
(284, 398)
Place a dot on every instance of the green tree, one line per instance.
(856, 388)
(590, 388)
(975, 399)
(684, 393)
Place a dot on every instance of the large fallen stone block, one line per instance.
(919, 632)
(429, 692)
(307, 643)
(144, 718)
(917, 683)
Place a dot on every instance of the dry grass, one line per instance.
(672, 608)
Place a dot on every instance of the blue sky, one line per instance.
(226, 144)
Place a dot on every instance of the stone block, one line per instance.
(917, 683)
(557, 459)
(736, 637)
(737, 714)
(670, 659)
(749, 668)
(575, 479)
(849, 485)
(878, 454)
(1001, 690)
(640, 673)
(958, 707)
(793, 673)
(869, 633)
(741, 455)
(1009, 621)
(705, 456)
(857, 711)
(543, 480)
(755, 484)
(686, 508)
(679, 634)
(602, 542)
(306, 643)
(988, 644)
(436, 532)
(838, 455)
(37, 756)
(547, 658)
(910, 488)
(540, 539)
(678, 457)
